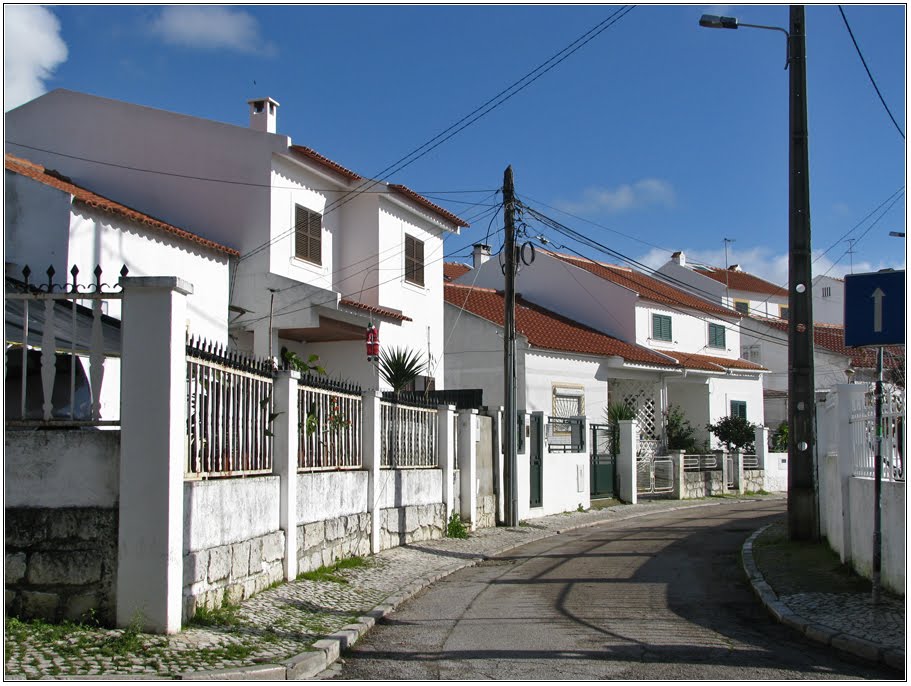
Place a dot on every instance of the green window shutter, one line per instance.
(716, 336)
(739, 409)
(661, 327)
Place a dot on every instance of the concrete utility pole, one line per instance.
(511, 510)
(803, 512)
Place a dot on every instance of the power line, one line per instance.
(869, 74)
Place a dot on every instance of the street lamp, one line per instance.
(803, 510)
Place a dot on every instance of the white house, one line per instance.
(52, 223)
(699, 340)
(323, 251)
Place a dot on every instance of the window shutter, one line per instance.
(308, 235)
(414, 260)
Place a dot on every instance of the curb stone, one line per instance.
(854, 645)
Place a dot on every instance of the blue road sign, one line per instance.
(875, 308)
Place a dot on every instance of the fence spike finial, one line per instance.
(26, 272)
(50, 278)
(75, 272)
(124, 271)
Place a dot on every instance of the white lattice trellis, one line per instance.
(641, 397)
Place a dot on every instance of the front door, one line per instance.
(603, 463)
(536, 459)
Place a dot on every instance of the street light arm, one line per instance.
(712, 21)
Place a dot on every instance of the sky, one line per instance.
(654, 135)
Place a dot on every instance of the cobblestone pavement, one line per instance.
(287, 621)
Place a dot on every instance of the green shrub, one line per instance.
(456, 528)
(736, 433)
(681, 435)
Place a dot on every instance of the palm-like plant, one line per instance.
(615, 413)
(399, 367)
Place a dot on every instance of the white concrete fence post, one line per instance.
(284, 461)
(496, 415)
(677, 457)
(468, 467)
(371, 457)
(850, 399)
(445, 455)
(626, 459)
(722, 457)
(153, 434)
(737, 466)
(761, 441)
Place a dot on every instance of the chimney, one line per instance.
(679, 258)
(263, 113)
(735, 268)
(480, 254)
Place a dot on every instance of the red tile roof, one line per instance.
(385, 312)
(546, 329)
(421, 200)
(832, 338)
(311, 154)
(453, 270)
(647, 287)
(742, 281)
(38, 173)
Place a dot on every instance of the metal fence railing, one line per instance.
(408, 435)
(751, 462)
(701, 463)
(566, 434)
(229, 413)
(330, 425)
(863, 432)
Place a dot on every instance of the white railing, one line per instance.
(330, 426)
(408, 435)
(229, 413)
(750, 462)
(864, 437)
(700, 463)
(58, 340)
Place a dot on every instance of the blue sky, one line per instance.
(657, 135)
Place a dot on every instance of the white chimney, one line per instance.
(480, 254)
(263, 114)
(679, 258)
(735, 268)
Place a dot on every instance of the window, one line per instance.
(308, 235)
(783, 311)
(569, 401)
(751, 353)
(414, 260)
(742, 306)
(739, 408)
(716, 336)
(661, 327)
(826, 291)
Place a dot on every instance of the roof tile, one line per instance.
(741, 281)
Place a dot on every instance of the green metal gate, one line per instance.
(536, 459)
(603, 464)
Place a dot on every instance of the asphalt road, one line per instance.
(661, 597)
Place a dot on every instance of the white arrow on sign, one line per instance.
(878, 296)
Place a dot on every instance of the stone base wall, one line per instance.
(702, 484)
(231, 573)
(325, 542)
(753, 479)
(487, 511)
(412, 523)
(61, 563)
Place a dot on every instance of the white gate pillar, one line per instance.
(626, 460)
(468, 467)
(152, 453)
(446, 456)
(371, 457)
(284, 461)
(850, 399)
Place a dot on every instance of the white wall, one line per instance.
(62, 468)
(327, 495)
(222, 511)
(563, 474)
(545, 369)
(893, 531)
(690, 331)
(404, 487)
(28, 206)
(723, 390)
(828, 309)
(474, 354)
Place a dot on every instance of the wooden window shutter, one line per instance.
(308, 235)
(414, 260)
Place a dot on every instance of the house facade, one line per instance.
(323, 252)
(696, 341)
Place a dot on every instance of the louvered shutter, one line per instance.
(308, 235)
(414, 260)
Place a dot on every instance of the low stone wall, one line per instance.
(327, 541)
(753, 480)
(412, 523)
(228, 574)
(61, 563)
(487, 511)
(702, 484)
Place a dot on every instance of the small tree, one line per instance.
(615, 413)
(736, 433)
(399, 367)
(780, 438)
(681, 435)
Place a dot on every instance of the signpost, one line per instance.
(875, 316)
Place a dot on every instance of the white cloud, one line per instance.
(643, 193)
(211, 28)
(32, 49)
(765, 263)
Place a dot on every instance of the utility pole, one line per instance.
(511, 510)
(803, 512)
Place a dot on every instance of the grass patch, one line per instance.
(456, 527)
(226, 615)
(331, 572)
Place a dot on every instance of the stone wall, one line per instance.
(324, 542)
(228, 574)
(702, 484)
(753, 480)
(487, 511)
(412, 523)
(61, 563)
